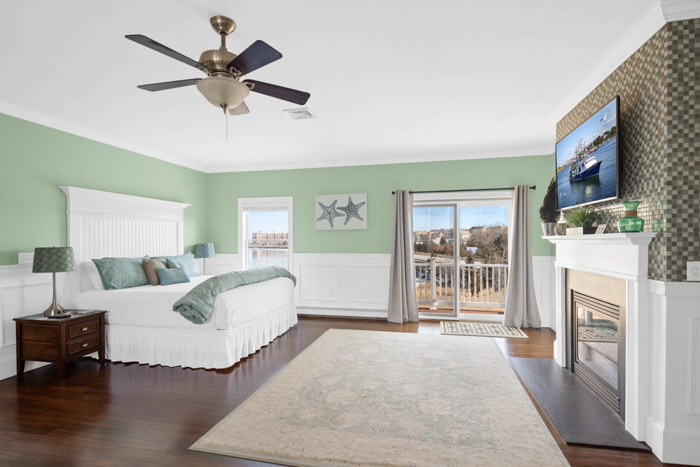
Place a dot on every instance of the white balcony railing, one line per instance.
(478, 285)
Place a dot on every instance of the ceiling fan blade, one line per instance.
(257, 55)
(168, 84)
(279, 92)
(240, 110)
(158, 47)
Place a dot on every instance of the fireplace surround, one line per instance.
(621, 260)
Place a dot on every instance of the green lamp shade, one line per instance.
(55, 259)
(204, 250)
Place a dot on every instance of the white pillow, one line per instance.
(90, 270)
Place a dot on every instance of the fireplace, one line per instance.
(596, 353)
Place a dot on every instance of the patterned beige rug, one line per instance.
(384, 398)
(461, 328)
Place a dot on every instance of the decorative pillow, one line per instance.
(91, 272)
(172, 264)
(172, 276)
(121, 273)
(149, 266)
(187, 263)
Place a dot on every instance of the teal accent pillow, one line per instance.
(172, 276)
(172, 264)
(121, 273)
(187, 263)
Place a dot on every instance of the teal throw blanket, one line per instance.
(198, 304)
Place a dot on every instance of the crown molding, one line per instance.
(629, 44)
(532, 150)
(94, 135)
(678, 10)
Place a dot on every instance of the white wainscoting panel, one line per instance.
(220, 264)
(673, 425)
(543, 277)
(21, 293)
(694, 365)
(342, 284)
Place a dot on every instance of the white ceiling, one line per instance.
(390, 80)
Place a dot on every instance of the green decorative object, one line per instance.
(53, 260)
(631, 222)
(204, 251)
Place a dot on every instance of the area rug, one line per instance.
(461, 328)
(384, 398)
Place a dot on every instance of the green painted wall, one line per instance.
(377, 181)
(35, 160)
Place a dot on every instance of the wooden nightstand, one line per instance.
(59, 340)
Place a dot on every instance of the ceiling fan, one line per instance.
(224, 85)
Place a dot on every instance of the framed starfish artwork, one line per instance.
(341, 212)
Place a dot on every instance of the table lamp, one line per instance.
(204, 251)
(53, 260)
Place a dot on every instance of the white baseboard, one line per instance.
(341, 313)
(8, 366)
(674, 445)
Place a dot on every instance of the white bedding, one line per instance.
(152, 306)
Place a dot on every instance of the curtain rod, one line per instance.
(532, 187)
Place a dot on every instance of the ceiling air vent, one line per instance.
(299, 114)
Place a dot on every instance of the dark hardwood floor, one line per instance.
(129, 414)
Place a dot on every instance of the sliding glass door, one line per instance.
(461, 255)
(435, 258)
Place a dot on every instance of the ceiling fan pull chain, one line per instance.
(225, 106)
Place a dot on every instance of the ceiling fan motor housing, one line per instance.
(216, 60)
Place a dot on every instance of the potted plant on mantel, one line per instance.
(548, 212)
(580, 221)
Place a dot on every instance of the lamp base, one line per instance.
(54, 310)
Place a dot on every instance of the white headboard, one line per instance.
(103, 224)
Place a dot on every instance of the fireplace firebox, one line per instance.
(596, 354)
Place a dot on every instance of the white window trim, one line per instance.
(272, 203)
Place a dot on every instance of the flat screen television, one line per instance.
(587, 160)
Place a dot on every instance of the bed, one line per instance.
(142, 327)
(140, 324)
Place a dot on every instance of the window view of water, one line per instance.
(268, 239)
(263, 257)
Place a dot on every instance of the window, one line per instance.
(265, 232)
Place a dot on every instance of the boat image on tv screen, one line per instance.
(587, 160)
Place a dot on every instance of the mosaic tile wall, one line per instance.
(683, 153)
(659, 137)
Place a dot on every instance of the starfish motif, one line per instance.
(329, 212)
(351, 210)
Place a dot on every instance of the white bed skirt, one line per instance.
(197, 349)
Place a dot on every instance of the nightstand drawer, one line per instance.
(40, 333)
(88, 344)
(40, 351)
(77, 330)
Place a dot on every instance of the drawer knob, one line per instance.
(85, 328)
(85, 345)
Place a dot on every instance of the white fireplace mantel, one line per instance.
(623, 256)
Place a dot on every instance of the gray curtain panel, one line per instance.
(403, 306)
(521, 306)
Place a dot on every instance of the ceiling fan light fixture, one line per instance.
(223, 92)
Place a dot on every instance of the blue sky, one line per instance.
(430, 218)
(590, 129)
(267, 221)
